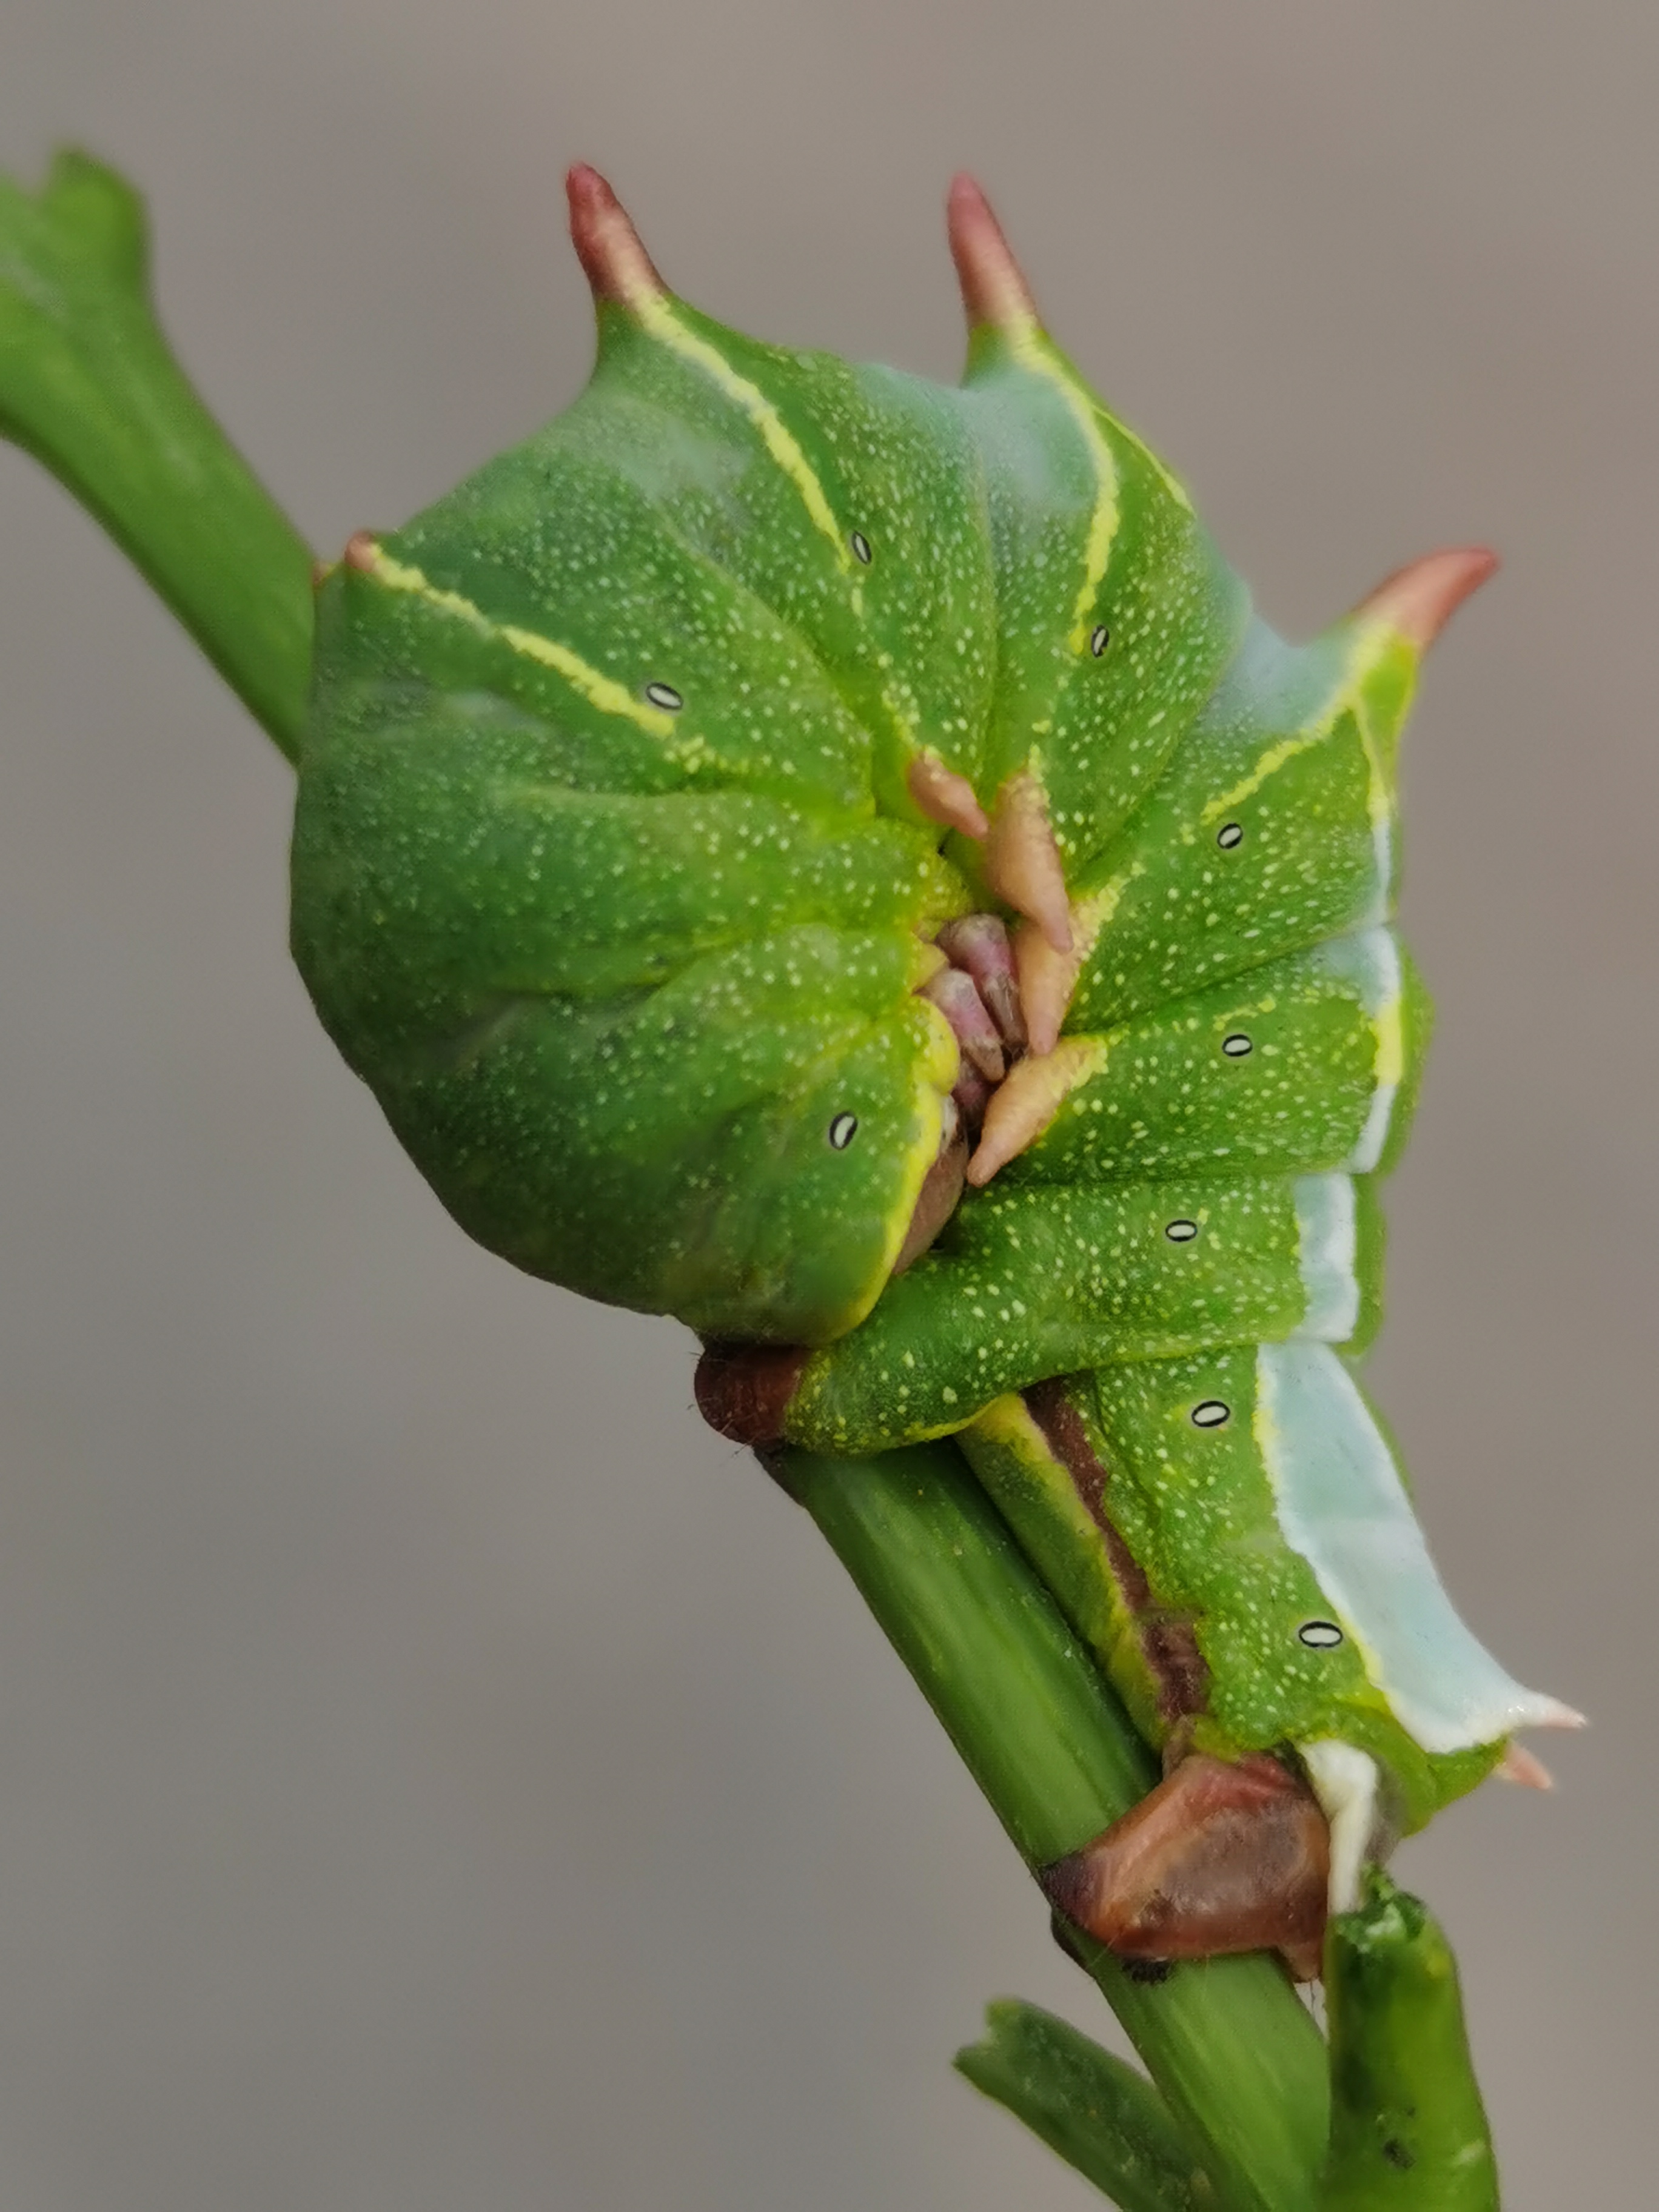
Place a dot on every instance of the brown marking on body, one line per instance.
(993, 291)
(743, 1390)
(1419, 599)
(1169, 1641)
(945, 797)
(1223, 1856)
(360, 552)
(616, 265)
(941, 1188)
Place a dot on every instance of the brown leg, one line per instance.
(1221, 1856)
(743, 1390)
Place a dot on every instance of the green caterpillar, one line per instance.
(782, 793)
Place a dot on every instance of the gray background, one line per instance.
(434, 1771)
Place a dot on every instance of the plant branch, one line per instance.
(1408, 2129)
(1091, 2109)
(1235, 2056)
(89, 386)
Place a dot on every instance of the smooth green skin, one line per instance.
(1237, 2061)
(614, 972)
(1091, 2109)
(1408, 2129)
(643, 1117)
(1297, 748)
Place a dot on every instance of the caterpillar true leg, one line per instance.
(978, 994)
(957, 995)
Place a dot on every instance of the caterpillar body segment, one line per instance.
(1232, 1537)
(1310, 1063)
(1038, 1280)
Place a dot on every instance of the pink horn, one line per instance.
(617, 266)
(1419, 599)
(993, 289)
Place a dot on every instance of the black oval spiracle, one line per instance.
(842, 1130)
(1099, 638)
(1230, 835)
(1181, 1232)
(860, 545)
(666, 697)
(1211, 1413)
(1237, 1046)
(1320, 1635)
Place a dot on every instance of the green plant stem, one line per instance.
(1091, 2109)
(1235, 2056)
(1408, 2129)
(89, 386)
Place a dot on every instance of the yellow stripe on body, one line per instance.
(1269, 765)
(1033, 352)
(1171, 482)
(658, 317)
(1091, 913)
(1389, 1026)
(1348, 697)
(599, 690)
(1379, 801)
(1375, 639)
